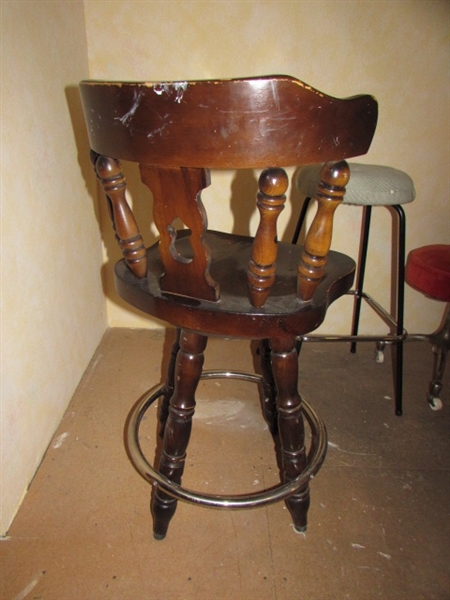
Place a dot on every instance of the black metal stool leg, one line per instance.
(397, 286)
(298, 228)
(301, 220)
(367, 212)
(398, 347)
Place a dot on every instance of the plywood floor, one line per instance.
(379, 517)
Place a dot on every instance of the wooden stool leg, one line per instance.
(269, 388)
(188, 369)
(290, 424)
(169, 385)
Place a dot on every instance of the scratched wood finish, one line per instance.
(237, 123)
(213, 283)
(174, 128)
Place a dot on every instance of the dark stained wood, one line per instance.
(174, 128)
(188, 370)
(261, 122)
(290, 424)
(273, 184)
(269, 388)
(235, 315)
(176, 195)
(213, 283)
(109, 173)
(330, 193)
(169, 385)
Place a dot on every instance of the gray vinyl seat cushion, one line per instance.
(369, 185)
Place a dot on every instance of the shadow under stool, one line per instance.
(214, 283)
(428, 271)
(370, 186)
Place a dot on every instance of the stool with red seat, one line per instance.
(428, 271)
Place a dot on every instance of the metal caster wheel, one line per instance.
(379, 356)
(435, 403)
(379, 352)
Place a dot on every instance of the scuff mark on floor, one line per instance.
(24, 593)
(60, 440)
(333, 445)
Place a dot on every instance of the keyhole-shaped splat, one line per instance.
(184, 254)
(180, 244)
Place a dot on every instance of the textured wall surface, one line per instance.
(397, 51)
(53, 308)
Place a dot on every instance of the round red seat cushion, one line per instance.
(428, 270)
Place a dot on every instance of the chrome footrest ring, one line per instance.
(316, 455)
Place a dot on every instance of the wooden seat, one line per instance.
(217, 283)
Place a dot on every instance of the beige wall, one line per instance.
(53, 309)
(398, 51)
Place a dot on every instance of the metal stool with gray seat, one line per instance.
(369, 186)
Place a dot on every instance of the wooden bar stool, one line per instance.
(370, 186)
(205, 282)
(428, 271)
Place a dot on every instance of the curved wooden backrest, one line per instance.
(177, 131)
(235, 123)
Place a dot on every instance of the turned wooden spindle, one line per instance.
(109, 173)
(330, 192)
(271, 198)
(188, 370)
(284, 361)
